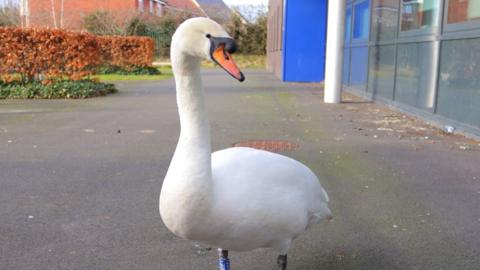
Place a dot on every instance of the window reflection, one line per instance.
(416, 74)
(384, 19)
(382, 71)
(419, 14)
(463, 10)
(359, 67)
(348, 24)
(361, 20)
(459, 82)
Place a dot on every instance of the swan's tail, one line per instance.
(323, 214)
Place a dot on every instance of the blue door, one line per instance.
(305, 28)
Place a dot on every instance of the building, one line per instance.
(70, 13)
(421, 56)
(300, 57)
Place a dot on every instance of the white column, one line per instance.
(334, 59)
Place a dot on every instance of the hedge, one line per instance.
(126, 52)
(35, 54)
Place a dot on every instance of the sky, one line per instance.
(245, 2)
(2, 2)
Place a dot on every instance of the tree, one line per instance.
(103, 23)
(159, 28)
(250, 37)
(236, 28)
(9, 16)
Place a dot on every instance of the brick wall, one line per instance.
(41, 13)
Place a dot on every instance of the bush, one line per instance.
(102, 23)
(134, 71)
(36, 54)
(56, 89)
(161, 29)
(127, 52)
(250, 37)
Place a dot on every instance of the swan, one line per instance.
(239, 198)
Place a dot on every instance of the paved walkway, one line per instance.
(80, 179)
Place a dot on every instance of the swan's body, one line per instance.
(238, 198)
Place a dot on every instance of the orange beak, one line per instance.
(225, 60)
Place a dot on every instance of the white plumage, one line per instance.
(238, 198)
(268, 198)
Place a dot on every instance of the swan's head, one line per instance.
(204, 38)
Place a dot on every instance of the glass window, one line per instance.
(348, 24)
(419, 14)
(151, 6)
(463, 10)
(384, 19)
(416, 74)
(382, 71)
(361, 19)
(346, 66)
(141, 6)
(359, 67)
(459, 82)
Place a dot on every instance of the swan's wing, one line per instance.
(258, 167)
(262, 199)
(243, 171)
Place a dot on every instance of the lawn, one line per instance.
(243, 61)
(166, 73)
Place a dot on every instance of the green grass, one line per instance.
(243, 61)
(166, 73)
(56, 89)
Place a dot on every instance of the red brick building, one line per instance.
(70, 13)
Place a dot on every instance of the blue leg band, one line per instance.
(224, 263)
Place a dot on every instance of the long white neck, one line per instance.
(195, 127)
(186, 194)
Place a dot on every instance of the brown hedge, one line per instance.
(36, 53)
(127, 52)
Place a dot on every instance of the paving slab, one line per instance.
(80, 179)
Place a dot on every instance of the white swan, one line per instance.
(238, 198)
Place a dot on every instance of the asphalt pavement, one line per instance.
(80, 180)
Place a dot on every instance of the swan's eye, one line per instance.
(208, 36)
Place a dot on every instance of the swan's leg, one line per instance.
(223, 261)
(282, 262)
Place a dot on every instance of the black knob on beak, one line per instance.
(229, 43)
(230, 46)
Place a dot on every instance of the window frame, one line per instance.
(459, 26)
(348, 39)
(382, 42)
(431, 30)
(354, 40)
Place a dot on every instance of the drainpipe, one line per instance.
(25, 13)
(334, 59)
